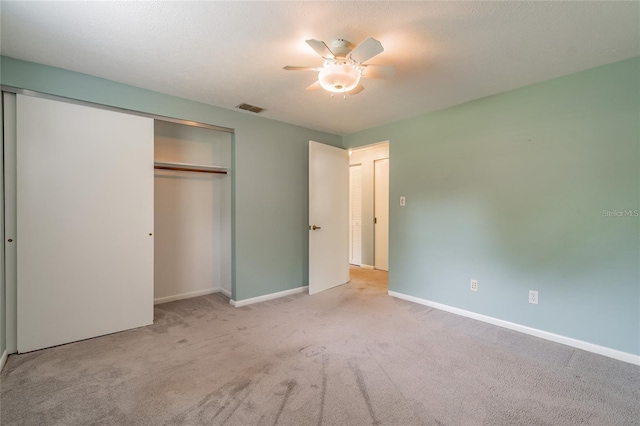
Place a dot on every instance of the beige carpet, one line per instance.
(348, 356)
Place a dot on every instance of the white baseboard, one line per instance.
(226, 292)
(239, 303)
(586, 346)
(187, 295)
(363, 266)
(3, 359)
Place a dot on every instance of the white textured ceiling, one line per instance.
(225, 53)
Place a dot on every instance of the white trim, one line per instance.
(188, 295)
(3, 359)
(586, 346)
(226, 292)
(363, 266)
(35, 94)
(239, 303)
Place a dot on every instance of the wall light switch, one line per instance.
(403, 201)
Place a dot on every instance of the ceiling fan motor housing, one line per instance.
(340, 47)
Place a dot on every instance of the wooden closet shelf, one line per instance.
(184, 167)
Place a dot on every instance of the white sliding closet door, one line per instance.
(84, 222)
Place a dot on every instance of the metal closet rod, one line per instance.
(183, 167)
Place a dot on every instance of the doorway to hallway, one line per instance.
(369, 206)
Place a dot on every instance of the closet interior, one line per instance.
(192, 211)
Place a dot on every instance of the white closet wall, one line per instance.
(192, 214)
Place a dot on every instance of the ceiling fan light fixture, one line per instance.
(343, 67)
(339, 77)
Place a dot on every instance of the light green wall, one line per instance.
(510, 190)
(270, 171)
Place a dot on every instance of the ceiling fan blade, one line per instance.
(359, 88)
(366, 50)
(321, 48)
(292, 68)
(314, 86)
(378, 71)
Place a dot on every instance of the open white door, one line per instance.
(328, 217)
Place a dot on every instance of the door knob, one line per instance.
(314, 227)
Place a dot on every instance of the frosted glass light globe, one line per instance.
(339, 78)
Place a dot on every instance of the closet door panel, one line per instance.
(84, 218)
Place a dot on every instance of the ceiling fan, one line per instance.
(343, 67)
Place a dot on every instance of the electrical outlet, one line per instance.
(533, 297)
(403, 201)
(474, 285)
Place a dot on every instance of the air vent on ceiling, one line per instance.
(251, 108)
